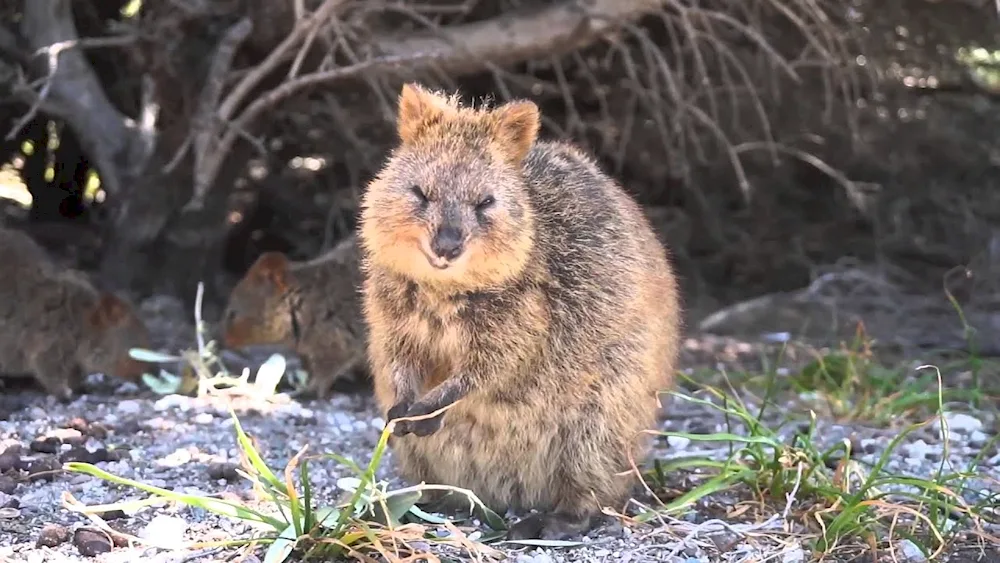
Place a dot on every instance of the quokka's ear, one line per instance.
(516, 129)
(270, 267)
(419, 108)
(109, 310)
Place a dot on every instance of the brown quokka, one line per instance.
(311, 307)
(512, 279)
(57, 326)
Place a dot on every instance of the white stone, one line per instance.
(910, 552)
(962, 423)
(793, 555)
(678, 442)
(129, 406)
(165, 531)
(203, 418)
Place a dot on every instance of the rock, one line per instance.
(793, 555)
(171, 401)
(7, 501)
(67, 436)
(7, 485)
(176, 459)
(165, 530)
(45, 445)
(113, 514)
(223, 470)
(922, 450)
(10, 459)
(84, 455)
(678, 442)
(538, 556)
(203, 418)
(90, 542)
(129, 406)
(44, 468)
(910, 552)
(960, 423)
(978, 439)
(52, 535)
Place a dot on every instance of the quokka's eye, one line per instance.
(421, 196)
(485, 203)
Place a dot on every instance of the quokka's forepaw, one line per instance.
(427, 426)
(396, 411)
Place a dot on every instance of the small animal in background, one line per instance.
(57, 327)
(310, 307)
(511, 279)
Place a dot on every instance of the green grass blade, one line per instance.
(218, 506)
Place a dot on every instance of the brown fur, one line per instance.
(556, 326)
(311, 307)
(57, 326)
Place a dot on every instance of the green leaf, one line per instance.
(492, 519)
(327, 516)
(282, 546)
(428, 517)
(269, 374)
(144, 355)
(306, 496)
(397, 504)
(255, 460)
(165, 383)
(218, 506)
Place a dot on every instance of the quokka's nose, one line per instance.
(447, 243)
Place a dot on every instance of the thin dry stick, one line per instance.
(205, 125)
(206, 176)
(52, 53)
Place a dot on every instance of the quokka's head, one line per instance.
(113, 327)
(451, 206)
(258, 310)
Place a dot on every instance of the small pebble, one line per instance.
(7, 485)
(44, 468)
(49, 445)
(794, 555)
(678, 442)
(978, 439)
(129, 406)
(203, 418)
(223, 470)
(90, 542)
(10, 459)
(910, 552)
(165, 530)
(961, 423)
(52, 535)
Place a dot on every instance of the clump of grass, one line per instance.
(373, 520)
(827, 495)
(854, 385)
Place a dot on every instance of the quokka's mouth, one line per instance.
(436, 263)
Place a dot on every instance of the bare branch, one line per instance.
(105, 133)
(205, 177)
(205, 126)
(457, 50)
(520, 35)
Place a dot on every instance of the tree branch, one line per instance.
(105, 133)
(517, 36)
(460, 49)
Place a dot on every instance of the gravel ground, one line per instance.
(189, 445)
